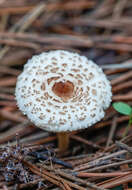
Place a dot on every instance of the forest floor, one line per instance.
(99, 157)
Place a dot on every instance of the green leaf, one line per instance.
(122, 108)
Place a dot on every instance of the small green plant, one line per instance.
(124, 109)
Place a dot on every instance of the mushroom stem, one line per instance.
(63, 141)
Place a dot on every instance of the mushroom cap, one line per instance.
(62, 91)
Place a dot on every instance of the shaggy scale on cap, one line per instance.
(62, 91)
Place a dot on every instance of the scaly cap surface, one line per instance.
(62, 91)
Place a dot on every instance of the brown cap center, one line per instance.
(63, 89)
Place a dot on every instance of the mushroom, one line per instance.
(62, 91)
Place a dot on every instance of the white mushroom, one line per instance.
(61, 91)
